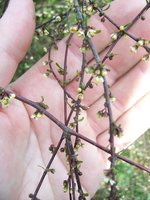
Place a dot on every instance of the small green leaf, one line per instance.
(80, 119)
(1, 91)
(82, 86)
(78, 163)
(65, 186)
(60, 69)
(51, 170)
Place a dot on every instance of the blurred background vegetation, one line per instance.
(133, 184)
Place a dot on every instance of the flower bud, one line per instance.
(99, 79)
(114, 36)
(73, 29)
(122, 28)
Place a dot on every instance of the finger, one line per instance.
(134, 123)
(16, 31)
(100, 41)
(122, 62)
(124, 58)
(127, 91)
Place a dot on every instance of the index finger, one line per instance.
(15, 37)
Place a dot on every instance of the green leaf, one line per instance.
(60, 69)
(65, 186)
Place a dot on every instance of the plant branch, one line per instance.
(72, 132)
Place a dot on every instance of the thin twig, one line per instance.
(70, 131)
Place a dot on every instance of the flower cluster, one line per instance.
(38, 113)
(5, 99)
(139, 43)
(98, 72)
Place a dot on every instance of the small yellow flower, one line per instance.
(45, 49)
(80, 96)
(12, 96)
(83, 50)
(122, 28)
(58, 19)
(73, 29)
(79, 90)
(140, 43)
(145, 58)
(46, 32)
(91, 33)
(37, 115)
(134, 49)
(40, 32)
(114, 36)
(104, 72)
(80, 33)
(45, 75)
(45, 63)
(97, 72)
(89, 10)
(99, 79)
(5, 102)
(112, 99)
(86, 70)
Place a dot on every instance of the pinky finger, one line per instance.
(134, 122)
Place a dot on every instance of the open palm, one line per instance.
(24, 141)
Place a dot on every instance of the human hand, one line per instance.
(25, 141)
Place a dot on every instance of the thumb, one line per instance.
(16, 31)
